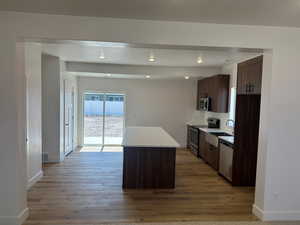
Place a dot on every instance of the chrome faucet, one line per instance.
(228, 123)
(231, 126)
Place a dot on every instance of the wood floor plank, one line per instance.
(87, 189)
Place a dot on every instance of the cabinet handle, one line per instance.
(251, 88)
(247, 88)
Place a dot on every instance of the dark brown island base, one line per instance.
(149, 158)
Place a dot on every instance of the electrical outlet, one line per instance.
(275, 194)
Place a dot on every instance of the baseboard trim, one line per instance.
(34, 179)
(15, 220)
(276, 215)
(257, 212)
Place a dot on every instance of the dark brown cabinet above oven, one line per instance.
(216, 89)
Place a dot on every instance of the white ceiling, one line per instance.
(116, 53)
(138, 71)
(249, 12)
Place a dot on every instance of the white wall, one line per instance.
(165, 103)
(53, 77)
(33, 67)
(261, 180)
(51, 108)
(278, 177)
(71, 85)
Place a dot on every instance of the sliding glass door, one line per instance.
(93, 119)
(114, 119)
(103, 119)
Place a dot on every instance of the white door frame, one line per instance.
(71, 120)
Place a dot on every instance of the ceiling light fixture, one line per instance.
(151, 57)
(148, 76)
(101, 54)
(186, 77)
(199, 60)
(109, 75)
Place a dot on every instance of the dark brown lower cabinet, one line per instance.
(207, 152)
(149, 167)
(246, 140)
(202, 145)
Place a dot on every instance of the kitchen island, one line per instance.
(149, 158)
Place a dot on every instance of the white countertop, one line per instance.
(148, 137)
(195, 124)
(229, 139)
(208, 130)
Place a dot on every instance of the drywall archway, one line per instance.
(275, 198)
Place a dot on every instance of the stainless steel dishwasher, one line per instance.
(226, 157)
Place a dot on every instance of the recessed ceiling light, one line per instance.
(101, 54)
(109, 75)
(148, 76)
(199, 60)
(151, 57)
(186, 77)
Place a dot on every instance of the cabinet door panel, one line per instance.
(246, 140)
(254, 77)
(242, 79)
(221, 94)
(213, 93)
(188, 137)
(202, 88)
(249, 76)
(201, 91)
(202, 146)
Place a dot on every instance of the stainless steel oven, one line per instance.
(204, 104)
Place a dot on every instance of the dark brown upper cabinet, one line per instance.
(217, 89)
(249, 76)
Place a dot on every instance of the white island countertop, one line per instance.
(148, 137)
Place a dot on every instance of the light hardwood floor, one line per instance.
(86, 189)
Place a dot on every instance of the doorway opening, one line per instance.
(103, 119)
(69, 117)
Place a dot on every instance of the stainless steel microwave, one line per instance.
(204, 104)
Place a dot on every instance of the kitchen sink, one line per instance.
(220, 134)
(212, 138)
